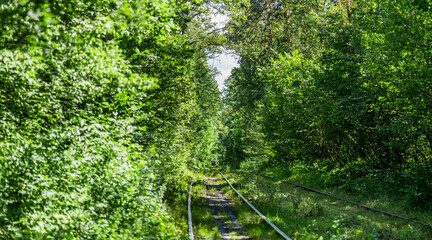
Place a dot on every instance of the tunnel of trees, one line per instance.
(106, 105)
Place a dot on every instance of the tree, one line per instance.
(95, 113)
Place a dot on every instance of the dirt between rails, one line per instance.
(224, 216)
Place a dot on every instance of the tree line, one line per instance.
(342, 87)
(104, 106)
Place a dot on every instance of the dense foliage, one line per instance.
(101, 104)
(343, 87)
(107, 105)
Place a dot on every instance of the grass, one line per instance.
(203, 221)
(254, 225)
(202, 216)
(204, 226)
(306, 215)
(375, 193)
(299, 213)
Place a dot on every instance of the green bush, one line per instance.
(88, 131)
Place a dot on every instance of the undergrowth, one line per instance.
(306, 215)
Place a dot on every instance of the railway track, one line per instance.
(191, 235)
(230, 228)
(352, 202)
(222, 212)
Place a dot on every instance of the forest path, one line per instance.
(223, 213)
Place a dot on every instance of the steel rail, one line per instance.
(223, 228)
(257, 211)
(191, 235)
(227, 208)
(349, 201)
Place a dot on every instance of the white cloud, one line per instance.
(224, 62)
(220, 20)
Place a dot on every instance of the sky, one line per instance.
(225, 61)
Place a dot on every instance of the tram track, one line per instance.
(216, 209)
(190, 225)
(351, 202)
(296, 212)
(223, 214)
